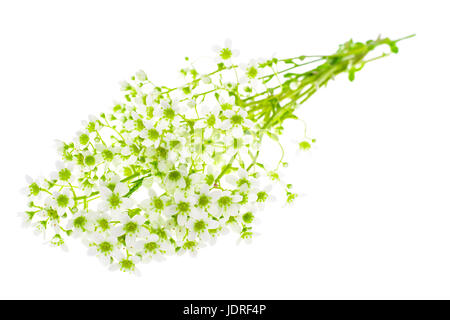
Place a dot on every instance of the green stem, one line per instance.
(225, 168)
(270, 108)
(349, 55)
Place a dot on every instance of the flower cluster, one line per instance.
(168, 170)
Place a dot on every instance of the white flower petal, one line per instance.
(121, 188)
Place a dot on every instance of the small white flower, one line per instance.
(33, 189)
(225, 53)
(203, 198)
(240, 180)
(112, 196)
(129, 226)
(65, 172)
(251, 71)
(151, 134)
(102, 246)
(209, 121)
(151, 244)
(183, 203)
(102, 222)
(90, 159)
(141, 75)
(62, 201)
(226, 101)
(176, 179)
(168, 111)
(124, 263)
(82, 139)
(235, 120)
(261, 195)
(224, 203)
(79, 223)
(200, 222)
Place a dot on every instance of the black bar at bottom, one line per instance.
(230, 309)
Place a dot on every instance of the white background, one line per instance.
(374, 216)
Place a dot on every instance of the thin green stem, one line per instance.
(225, 168)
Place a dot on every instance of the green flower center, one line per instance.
(84, 139)
(150, 246)
(64, 174)
(107, 155)
(304, 145)
(169, 113)
(89, 160)
(34, 189)
(174, 175)
(199, 226)
(252, 72)
(126, 265)
(114, 200)
(203, 201)
(105, 247)
(225, 53)
(80, 222)
(62, 200)
(161, 152)
(183, 206)
(103, 224)
(262, 196)
(158, 203)
(236, 119)
(224, 202)
(248, 217)
(130, 227)
(153, 134)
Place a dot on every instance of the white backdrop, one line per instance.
(373, 217)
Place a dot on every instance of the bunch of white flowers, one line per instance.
(170, 169)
